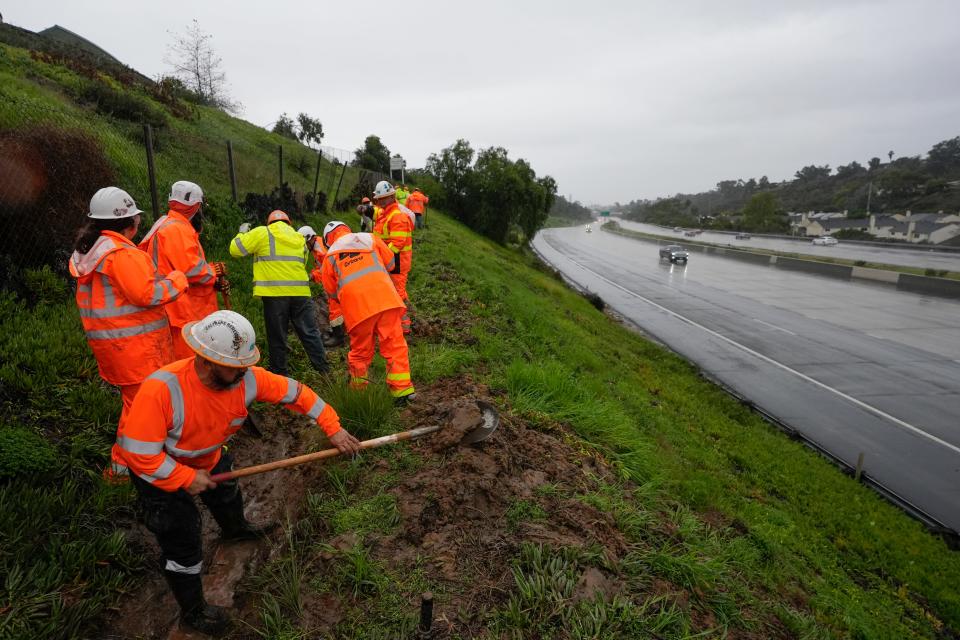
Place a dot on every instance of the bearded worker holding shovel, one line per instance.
(172, 441)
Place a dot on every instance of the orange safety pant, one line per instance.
(386, 326)
(181, 349)
(400, 284)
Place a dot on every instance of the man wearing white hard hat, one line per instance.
(172, 442)
(280, 281)
(174, 244)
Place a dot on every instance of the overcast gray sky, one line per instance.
(616, 100)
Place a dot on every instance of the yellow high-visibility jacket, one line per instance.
(279, 259)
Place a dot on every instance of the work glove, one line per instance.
(219, 268)
(222, 284)
(315, 275)
(245, 227)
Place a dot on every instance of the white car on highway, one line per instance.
(825, 241)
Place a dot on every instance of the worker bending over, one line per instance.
(355, 273)
(174, 244)
(336, 336)
(120, 296)
(394, 225)
(280, 281)
(172, 441)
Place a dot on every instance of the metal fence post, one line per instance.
(151, 170)
(280, 157)
(316, 180)
(338, 185)
(233, 171)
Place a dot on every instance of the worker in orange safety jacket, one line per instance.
(335, 336)
(355, 273)
(173, 442)
(417, 202)
(174, 244)
(120, 296)
(394, 225)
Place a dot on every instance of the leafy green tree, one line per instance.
(813, 172)
(874, 164)
(762, 213)
(452, 168)
(285, 127)
(944, 157)
(373, 155)
(309, 130)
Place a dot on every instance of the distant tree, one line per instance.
(944, 157)
(762, 213)
(850, 170)
(198, 66)
(812, 172)
(890, 155)
(764, 182)
(284, 126)
(874, 164)
(373, 155)
(452, 168)
(309, 130)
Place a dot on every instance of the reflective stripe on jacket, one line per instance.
(395, 227)
(354, 274)
(177, 424)
(174, 245)
(121, 299)
(279, 259)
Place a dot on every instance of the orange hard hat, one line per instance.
(277, 215)
(365, 199)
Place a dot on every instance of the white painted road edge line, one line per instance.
(863, 405)
(773, 326)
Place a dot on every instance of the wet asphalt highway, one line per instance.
(882, 255)
(854, 367)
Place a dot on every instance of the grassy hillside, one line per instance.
(617, 466)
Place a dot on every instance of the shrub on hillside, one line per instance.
(124, 105)
(47, 176)
(257, 206)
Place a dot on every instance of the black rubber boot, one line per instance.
(195, 613)
(335, 338)
(249, 531)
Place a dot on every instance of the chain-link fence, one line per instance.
(55, 154)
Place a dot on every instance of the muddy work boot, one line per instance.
(404, 400)
(248, 531)
(335, 338)
(207, 618)
(195, 613)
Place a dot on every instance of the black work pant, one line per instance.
(173, 517)
(278, 313)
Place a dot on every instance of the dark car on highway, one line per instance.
(673, 253)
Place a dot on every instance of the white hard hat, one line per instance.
(277, 215)
(111, 203)
(223, 337)
(186, 193)
(383, 189)
(333, 224)
(306, 231)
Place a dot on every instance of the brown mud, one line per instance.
(457, 522)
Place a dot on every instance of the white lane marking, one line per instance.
(773, 326)
(863, 405)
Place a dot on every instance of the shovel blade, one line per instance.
(491, 420)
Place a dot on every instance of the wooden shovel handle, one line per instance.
(321, 455)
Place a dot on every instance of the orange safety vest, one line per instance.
(416, 202)
(177, 424)
(121, 299)
(395, 227)
(175, 245)
(354, 274)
